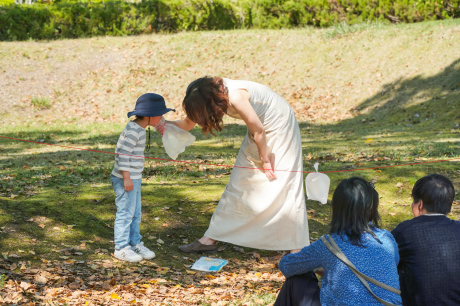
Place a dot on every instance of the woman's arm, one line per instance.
(240, 102)
(308, 259)
(184, 124)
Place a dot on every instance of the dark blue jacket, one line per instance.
(429, 264)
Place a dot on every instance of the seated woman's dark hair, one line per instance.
(354, 205)
(206, 102)
(436, 192)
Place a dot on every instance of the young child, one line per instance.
(126, 177)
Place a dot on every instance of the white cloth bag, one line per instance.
(317, 186)
(175, 140)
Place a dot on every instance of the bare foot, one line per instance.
(206, 241)
(295, 251)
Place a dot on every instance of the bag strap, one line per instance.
(334, 248)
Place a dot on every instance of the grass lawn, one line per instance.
(365, 96)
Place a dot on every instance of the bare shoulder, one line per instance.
(238, 96)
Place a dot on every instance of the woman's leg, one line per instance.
(299, 290)
(203, 245)
(206, 241)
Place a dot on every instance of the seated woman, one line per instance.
(355, 229)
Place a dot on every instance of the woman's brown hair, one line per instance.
(206, 103)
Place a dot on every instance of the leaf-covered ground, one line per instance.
(365, 96)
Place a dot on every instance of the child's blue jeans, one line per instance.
(128, 217)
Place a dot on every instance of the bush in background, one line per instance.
(118, 18)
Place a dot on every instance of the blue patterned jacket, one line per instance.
(340, 286)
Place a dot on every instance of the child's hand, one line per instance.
(128, 183)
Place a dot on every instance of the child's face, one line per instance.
(155, 120)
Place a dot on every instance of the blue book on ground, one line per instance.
(208, 264)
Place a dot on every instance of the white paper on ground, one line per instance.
(317, 186)
(208, 264)
(175, 140)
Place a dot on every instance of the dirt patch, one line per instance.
(44, 69)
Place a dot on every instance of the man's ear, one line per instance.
(420, 205)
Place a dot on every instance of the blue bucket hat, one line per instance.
(150, 105)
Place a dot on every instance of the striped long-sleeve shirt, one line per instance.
(131, 142)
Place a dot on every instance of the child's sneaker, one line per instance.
(127, 254)
(143, 251)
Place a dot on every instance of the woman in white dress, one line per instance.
(260, 208)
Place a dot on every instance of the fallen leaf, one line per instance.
(40, 280)
(369, 140)
(74, 285)
(115, 296)
(25, 285)
(42, 225)
(107, 265)
(163, 270)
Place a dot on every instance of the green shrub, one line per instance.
(117, 18)
(6, 2)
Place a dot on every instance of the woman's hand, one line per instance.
(269, 166)
(161, 126)
(161, 129)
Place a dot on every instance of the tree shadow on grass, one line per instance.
(417, 102)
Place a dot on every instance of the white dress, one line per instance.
(254, 211)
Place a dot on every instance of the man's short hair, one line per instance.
(437, 193)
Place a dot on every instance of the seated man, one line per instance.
(429, 246)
